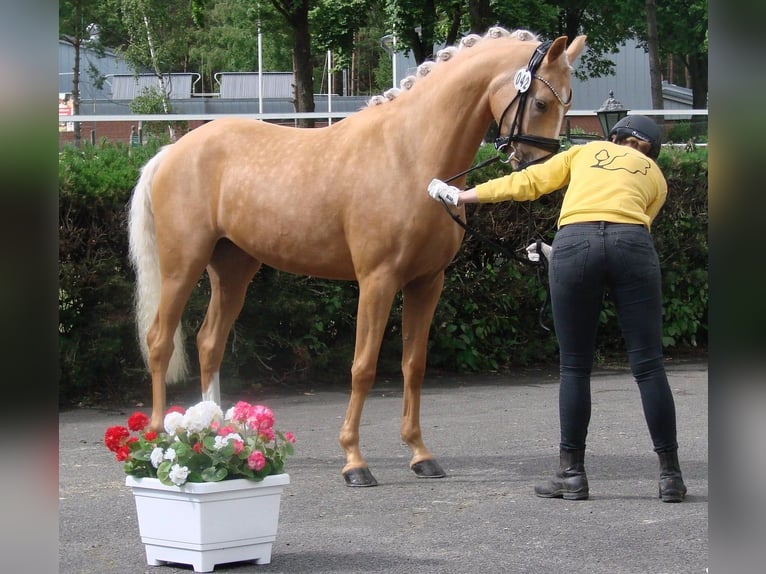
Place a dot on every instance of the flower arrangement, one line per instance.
(201, 444)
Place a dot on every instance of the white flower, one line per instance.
(229, 414)
(173, 421)
(201, 415)
(157, 456)
(178, 474)
(222, 441)
(170, 454)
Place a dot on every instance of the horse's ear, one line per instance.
(576, 48)
(559, 46)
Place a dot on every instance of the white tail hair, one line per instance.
(144, 258)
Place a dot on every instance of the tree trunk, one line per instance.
(480, 16)
(422, 43)
(296, 14)
(697, 65)
(653, 43)
(304, 71)
(160, 77)
(77, 45)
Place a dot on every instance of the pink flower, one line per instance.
(260, 418)
(290, 437)
(223, 431)
(239, 446)
(176, 409)
(267, 435)
(256, 461)
(198, 446)
(240, 411)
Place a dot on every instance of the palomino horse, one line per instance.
(343, 202)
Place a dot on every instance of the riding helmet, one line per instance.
(639, 127)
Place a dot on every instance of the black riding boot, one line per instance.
(672, 487)
(570, 481)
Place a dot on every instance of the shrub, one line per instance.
(96, 329)
(680, 234)
(490, 316)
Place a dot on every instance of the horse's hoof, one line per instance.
(428, 469)
(359, 477)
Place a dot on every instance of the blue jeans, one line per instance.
(588, 260)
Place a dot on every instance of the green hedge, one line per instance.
(488, 317)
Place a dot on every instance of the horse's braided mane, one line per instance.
(445, 55)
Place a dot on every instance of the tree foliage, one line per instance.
(336, 24)
(210, 36)
(682, 27)
(76, 18)
(228, 40)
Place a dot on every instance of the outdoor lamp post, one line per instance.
(610, 112)
(388, 43)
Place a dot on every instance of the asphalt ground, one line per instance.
(495, 436)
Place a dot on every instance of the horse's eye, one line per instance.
(540, 105)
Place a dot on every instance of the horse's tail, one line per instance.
(145, 261)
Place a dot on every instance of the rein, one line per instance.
(541, 264)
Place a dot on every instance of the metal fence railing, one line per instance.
(670, 114)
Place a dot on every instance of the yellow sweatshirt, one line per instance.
(607, 182)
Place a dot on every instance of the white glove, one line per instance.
(439, 190)
(532, 253)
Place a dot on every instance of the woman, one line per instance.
(614, 192)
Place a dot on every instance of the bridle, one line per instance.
(522, 81)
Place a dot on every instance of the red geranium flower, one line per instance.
(115, 437)
(123, 453)
(138, 421)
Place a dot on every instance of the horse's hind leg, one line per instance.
(230, 271)
(174, 294)
(419, 304)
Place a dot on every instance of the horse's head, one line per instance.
(531, 107)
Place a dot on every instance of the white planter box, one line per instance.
(208, 523)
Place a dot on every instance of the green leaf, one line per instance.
(213, 474)
(163, 472)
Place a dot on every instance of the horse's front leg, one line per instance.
(376, 294)
(419, 305)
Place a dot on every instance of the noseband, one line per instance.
(522, 80)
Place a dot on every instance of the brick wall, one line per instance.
(114, 131)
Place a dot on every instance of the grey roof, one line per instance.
(246, 84)
(128, 86)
